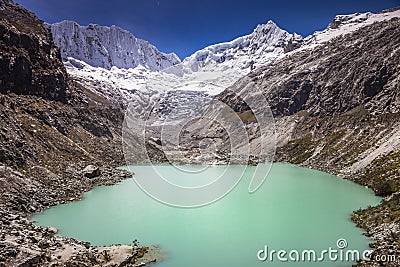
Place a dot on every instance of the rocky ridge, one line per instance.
(251, 51)
(107, 47)
(27, 61)
(51, 130)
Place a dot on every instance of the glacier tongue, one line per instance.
(101, 46)
(95, 57)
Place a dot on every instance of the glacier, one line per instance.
(115, 64)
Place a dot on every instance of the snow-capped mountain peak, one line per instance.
(346, 19)
(263, 45)
(266, 27)
(102, 46)
(99, 57)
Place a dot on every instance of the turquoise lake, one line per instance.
(295, 209)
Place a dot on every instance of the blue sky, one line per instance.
(185, 26)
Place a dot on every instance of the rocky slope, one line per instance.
(345, 90)
(27, 56)
(106, 47)
(58, 139)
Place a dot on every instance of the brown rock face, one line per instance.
(361, 68)
(30, 63)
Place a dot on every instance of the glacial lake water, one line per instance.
(295, 209)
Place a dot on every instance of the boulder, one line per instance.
(91, 171)
(52, 230)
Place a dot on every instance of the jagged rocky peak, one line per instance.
(347, 19)
(30, 62)
(262, 46)
(271, 34)
(102, 46)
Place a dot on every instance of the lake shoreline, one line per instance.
(119, 236)
(20, 221)
(382, 233)
(42, 246)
